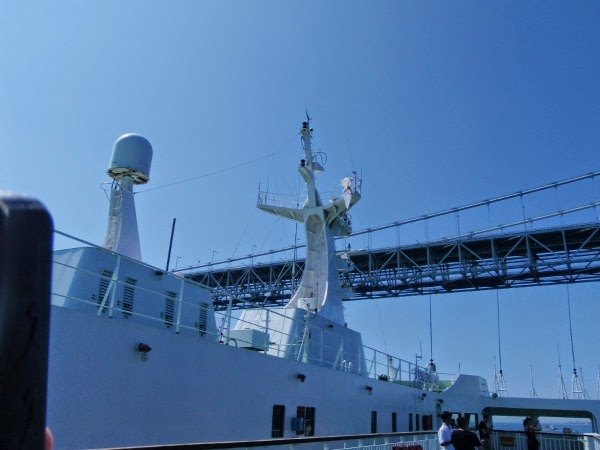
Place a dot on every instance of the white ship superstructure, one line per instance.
(137, 358)
(316, 307)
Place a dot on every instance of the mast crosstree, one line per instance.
(319, 289)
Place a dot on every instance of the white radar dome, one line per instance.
(131, 157)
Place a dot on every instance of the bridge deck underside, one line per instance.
(544, 257)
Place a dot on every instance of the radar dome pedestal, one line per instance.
(129, 165)
(131, 157)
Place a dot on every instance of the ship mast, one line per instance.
(319, 290)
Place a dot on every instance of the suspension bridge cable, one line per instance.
(430, 332)
(481, 203)
(571, 327)
(498, 327)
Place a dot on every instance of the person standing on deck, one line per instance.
(484, 433)
(532, 440)
(445, 432)
(463, 439)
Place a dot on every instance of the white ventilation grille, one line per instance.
(169, 313)
(105, 278)
(202, 318)
(128, 294)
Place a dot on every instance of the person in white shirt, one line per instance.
(445, 432)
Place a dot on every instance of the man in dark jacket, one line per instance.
(462, 438)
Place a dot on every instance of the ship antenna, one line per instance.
(171, 243)
(533, 391)
(418, 357)
(562, 390)
(583, 389)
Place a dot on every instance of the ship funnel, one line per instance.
(129, 165)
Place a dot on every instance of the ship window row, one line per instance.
(472, 419)
(422, 422)
(303, 423)
(416, 422)
(425, 422)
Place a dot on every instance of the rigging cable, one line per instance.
(297, 195)
(243, 233)
(208, 174)
(381, 327)
(218, 171)
(349, 151)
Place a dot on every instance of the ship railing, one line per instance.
(266, 198)
(426, 440)
(322, 347)
(592, 441)
(375, 441)
(308, 343)
(114, 287)
(407, 441)
(111, 288)
(385, 367)
(517, 440)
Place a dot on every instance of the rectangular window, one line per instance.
(169, 308)
(300, 424)
(306, 414)
(417, 422)
(427, 422)
(373, 421)
(277, 421)
(105, 278)
(410, 422)
(309, 421)
(453, 419)
(471, 421)
(394, 423)
(128, 293)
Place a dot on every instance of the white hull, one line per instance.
(101, 394)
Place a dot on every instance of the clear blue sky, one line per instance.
(439, 103)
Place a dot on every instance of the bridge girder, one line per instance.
(519, 259)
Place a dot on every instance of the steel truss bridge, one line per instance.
(529, 251)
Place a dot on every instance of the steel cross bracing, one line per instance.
(528, 258)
